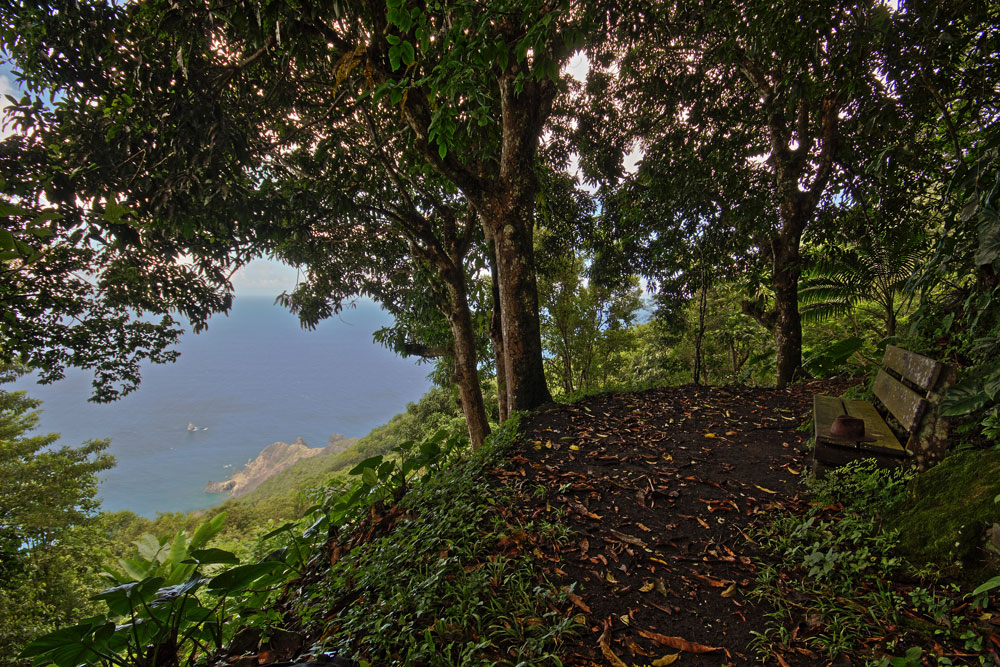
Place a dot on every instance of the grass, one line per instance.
(436, 589)
(838, 584)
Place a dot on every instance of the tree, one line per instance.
(193, 109)
(585, 326)
(48, 549)
(62, 283)
(877, 268)
(758, 88)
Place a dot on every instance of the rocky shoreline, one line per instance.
(273, 459)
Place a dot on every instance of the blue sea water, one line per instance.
(253, 378)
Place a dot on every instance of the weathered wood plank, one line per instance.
(874, 426)
(918, 369)
(905, 404)
(825, 410)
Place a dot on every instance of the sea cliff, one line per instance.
(273, 459)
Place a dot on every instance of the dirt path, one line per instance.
(660, 491)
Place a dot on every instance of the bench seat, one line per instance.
(908, 388)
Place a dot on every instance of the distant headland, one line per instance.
(273, 459)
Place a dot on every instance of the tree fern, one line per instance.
(874, 268)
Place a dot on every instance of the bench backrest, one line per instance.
(906, 383)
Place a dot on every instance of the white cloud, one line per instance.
(265, 277)
(578, 66)
(634, 157)
(7, 87)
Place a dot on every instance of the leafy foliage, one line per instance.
(585, 326)
(839, 564)
(49, 546)
(449, 598)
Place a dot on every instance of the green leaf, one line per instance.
(369, 476)
(407, 53)
(136, 569)
(122, 599)
(962, 398)
(67, 647)
(831, 358)
(242, 576)
(279, 530)
(207, 531)
(148, 547)
(8, 209)
(371, 462)
(989, 585)
(212, 556)
(168, 594)
(7, 241)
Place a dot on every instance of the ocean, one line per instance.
(253, 378)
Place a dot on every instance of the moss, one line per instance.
(948, 509)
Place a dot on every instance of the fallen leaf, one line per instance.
(666, 660)
(625, 619)
(765, 490)
(711, 435)
(647, 587)
(578, 601)
(575, 448)
(730, 591)
(678, 643)
(636, 649)
(628, 539)
(605, 644)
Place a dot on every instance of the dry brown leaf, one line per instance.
(678, 643)
(605, 643)
(668, 659)
(578, 601)
(730, 591)
(636, 649)
(628, 539)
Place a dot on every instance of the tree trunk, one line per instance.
(890, 316)
(512, 231)
(788, 324)
(466, 366)
(496, 335)
(700, 333)
(567, 355)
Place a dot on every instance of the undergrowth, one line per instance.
(837, 586)
(434, 590)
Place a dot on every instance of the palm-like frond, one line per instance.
(842, 277)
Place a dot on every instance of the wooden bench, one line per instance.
(907, 389)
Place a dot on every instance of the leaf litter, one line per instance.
(658, 504)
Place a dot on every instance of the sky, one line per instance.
(7, 87)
